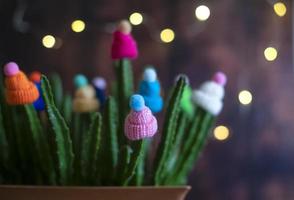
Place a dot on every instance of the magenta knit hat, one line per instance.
(123, 45)
(140, 123)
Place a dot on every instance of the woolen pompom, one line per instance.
(100, 84)
(80, 81)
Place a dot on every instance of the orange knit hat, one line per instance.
(19, 90)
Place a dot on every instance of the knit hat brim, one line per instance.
(141, 131)
(85, 105)
(24, 96)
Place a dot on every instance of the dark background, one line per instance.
(256, 162)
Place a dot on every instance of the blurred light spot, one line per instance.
(78, 26)
(167, 35)
(136, 18)
(245, 97)
(48, 41)
(270, 54)
(221, 133)
(202, 13)
(280, 9)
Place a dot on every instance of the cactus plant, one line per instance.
(101, 147)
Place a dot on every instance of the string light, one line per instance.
(167, 35)
(136, 18)
(270, 54)
(202, 13)
(245, 97)
(221, 133)
(280, 9)
(78, 26)
(48, 41)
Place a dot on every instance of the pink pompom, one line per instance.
(220, 78)
(140, 125)
(10, 69)
(123, 46)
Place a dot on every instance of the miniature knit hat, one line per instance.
(210, 94)
(35, 77)
(19, 90)
(140, 123)
(149, 85)
(85, 97)
(123, 45)
(149, 88)
(39, 104)
(85, 100)
(99, 84)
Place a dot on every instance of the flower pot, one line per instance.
(92, 193)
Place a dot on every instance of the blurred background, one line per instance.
(250, 153)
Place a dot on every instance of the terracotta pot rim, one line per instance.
(187, 187)
(31, 192)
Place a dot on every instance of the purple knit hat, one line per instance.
(140, 123)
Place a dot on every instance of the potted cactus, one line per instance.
(93, 146)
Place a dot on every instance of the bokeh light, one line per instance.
(280, 9)
(270, 53)
(78, 26)
(202, 13)
(167, 35)
(245, 97)
(221, 133)
(48, 41)
(136, 18)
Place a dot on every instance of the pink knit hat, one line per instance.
(140, 123)
(123, 45)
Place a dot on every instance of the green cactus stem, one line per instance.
(57, 89)
(123, 161)
(81, 127)
(40, 145)
(67, 108)
(22, 143)
(62, 135)
(136, 156)
(13, 149)
(90, 147)
(109, 146)
(138, 178)
(125, 88)
(197, 147)
(174, 155)
(193, 146)
(169, 131)
(190, 136)
(7, 140)
(4, 150)
(186, 102)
